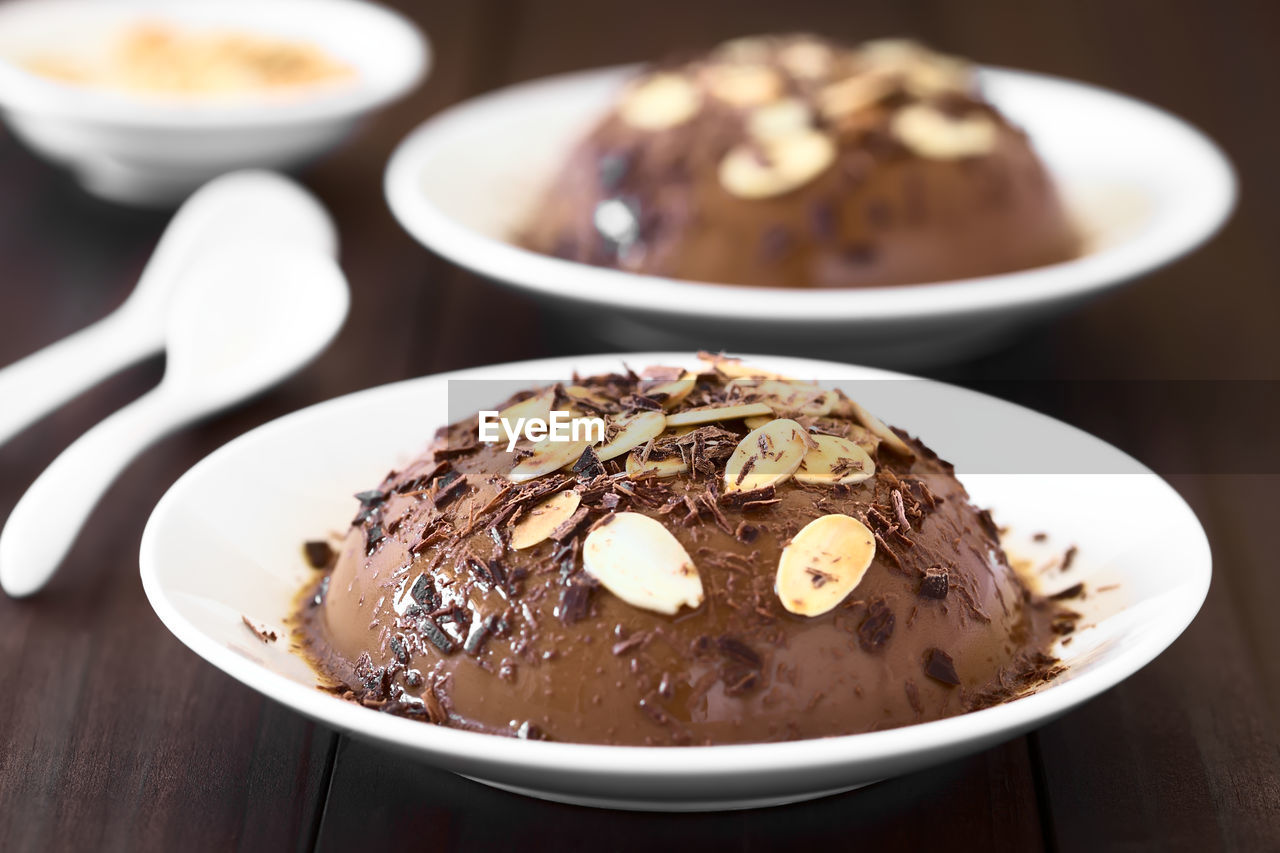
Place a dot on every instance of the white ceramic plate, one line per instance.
(1145, 187)
(155, 150)
(225, 542)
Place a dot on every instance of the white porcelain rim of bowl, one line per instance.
(586, 284)
(986, 725)
(29, 94)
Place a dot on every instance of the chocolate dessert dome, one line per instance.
(738, 558)
(794, 161)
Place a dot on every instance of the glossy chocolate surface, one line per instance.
(430, 613)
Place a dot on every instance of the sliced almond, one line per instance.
(743, 84)
(775, 166)
(537, 406)
(879, 429)
(854, 94)
(807, 60)
(592, 399)
(632, 431)
(660, 101)
(939, 75)
(637, 559)
(675, 390)
(757, 421)
(712, 414)
(825, 561)
(767, 456)
(744, 49)
(834, 460)
(545, 457)
(667, 466)
(924, 73)
(541, 521)
(787, 396)
(734, 368)
(864, 438)
(893, 53)
(933, 134)
(781, 118)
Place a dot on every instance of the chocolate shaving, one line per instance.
(877, 627)
(447, 488)
(899, 511)
(400, 649)
(738, 499)
(736, 650)
(1069, 557)
(934, 583)
(479, 634)
(570, 524)
(262, 633)
(939, 666)
(424, 592)
(588, 466)
(575, 602)
(433, 632)
(320, 555)
(373, 537)
(1074, 591)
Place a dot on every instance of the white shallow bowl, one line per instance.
(1144, 186)
(224, 542)
(155, 150)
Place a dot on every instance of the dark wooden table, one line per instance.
(114, 736)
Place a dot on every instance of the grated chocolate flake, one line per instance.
(433, 632)
(319, 554)
(939, 666)
(934, 584)
(877, 627)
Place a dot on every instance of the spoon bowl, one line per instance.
(243, 319)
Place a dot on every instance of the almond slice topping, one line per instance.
(788, 397)
(660, 101)
(880, 430)
(541, 521)
(807, 60)
(637, 559)
(666, 466)
(711, 414)
(675, 390)
(933, 134)
(778, 165)
(781, 118)
(632, 431)
(537, 406)
(767, 456)
(825, 561)
(835, 460)
(743, 84)
(854, 94)
(545, 457)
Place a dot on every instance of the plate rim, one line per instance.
(473, 749)
(575, 282)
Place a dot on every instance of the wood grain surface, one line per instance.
(114, 737)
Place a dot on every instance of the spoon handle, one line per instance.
(39, 383)
(47, 519)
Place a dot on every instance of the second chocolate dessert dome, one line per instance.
(793, 161)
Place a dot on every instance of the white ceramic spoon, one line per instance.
(242, 205)
(241, 320)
